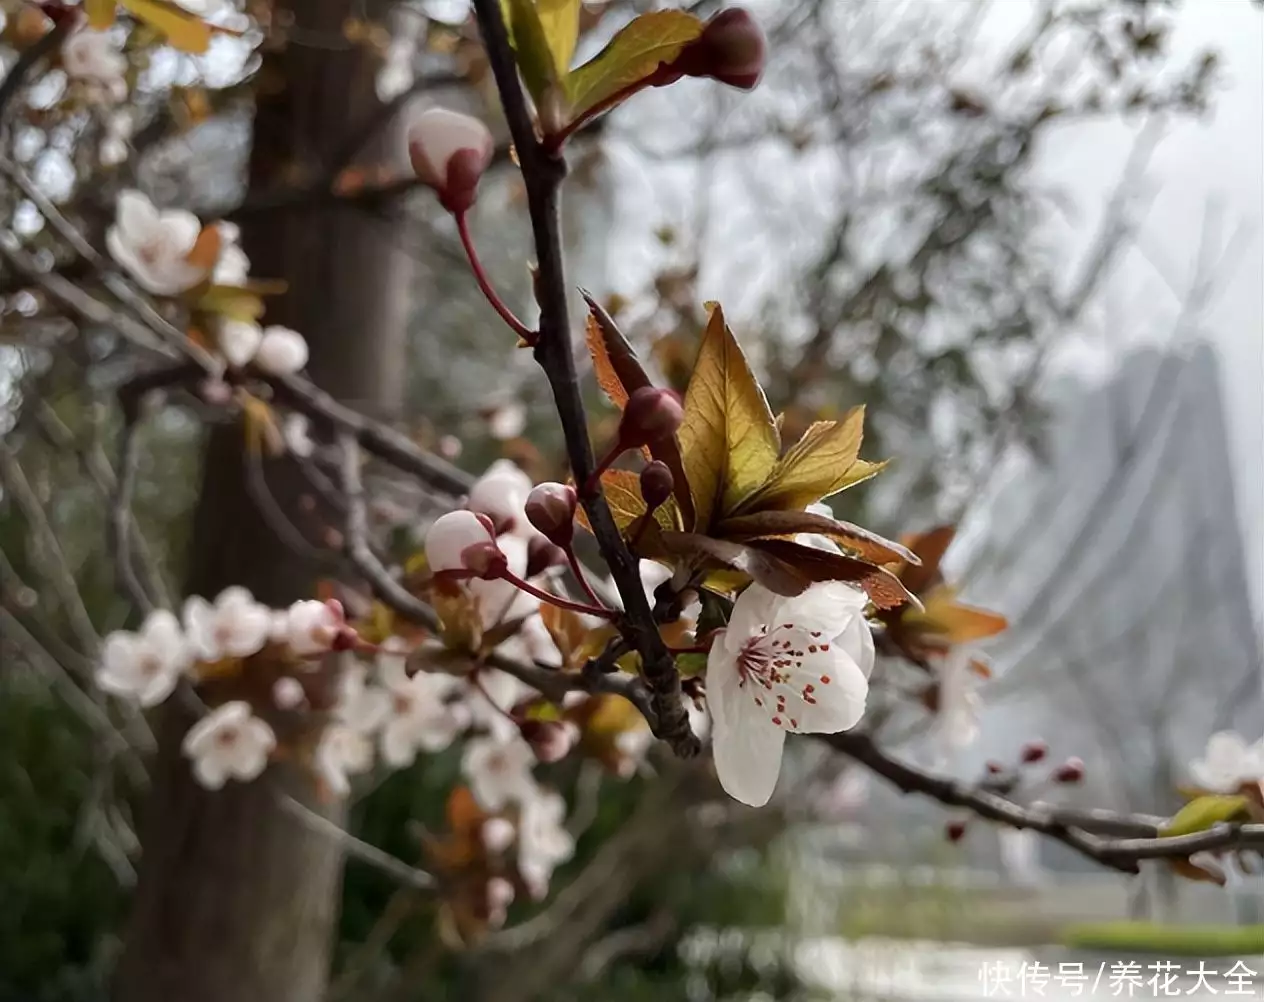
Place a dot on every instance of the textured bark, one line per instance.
(237, 900)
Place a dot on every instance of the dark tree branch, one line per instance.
(543, 173)
(16, 77)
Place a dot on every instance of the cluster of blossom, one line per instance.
(1229, 763)
(156, 247)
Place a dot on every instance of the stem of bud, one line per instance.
(557, 600)
(528, 336)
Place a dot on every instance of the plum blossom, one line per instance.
(312, 626)
(784, 664)
(119, 126)
(238, 341)
(500, 895)
(229, 743)
(499, 772)
(233, 266)
(419, 712)
(499, 600)
(342, 752)
(501, 494)
(282, 352)
(485, 704)
(235, 626)
(95, 58)
(153, 245)
(288, 693)
(451, 536)
(543, 841)
(449, 152)
(506, 421)
(1228, 763)
(498, 834)
(296, 430)
(145, 665)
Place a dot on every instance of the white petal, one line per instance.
(159, 686)
(837, 704)
(282, 352)
(827, 607)
(201, 735)
(449, 537)
(136, 216)
(747, 747)
(857, 640)
(398, 748)
(438, 133)
(181, 230)
(239, 341)
(210, 771)
(753, 611)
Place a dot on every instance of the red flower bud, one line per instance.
(551, 509)
(651, 414)
(1034, 751)
(551, 740)
(657, 484)
(731, 49)
(541, 555)
(450, 152)
(1070, 771)
(955, 830)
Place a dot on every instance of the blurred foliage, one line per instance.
(1169, 940)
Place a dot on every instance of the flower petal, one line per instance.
(747, 747)
(836, 701)
(753, 612)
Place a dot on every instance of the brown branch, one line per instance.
(543, 173)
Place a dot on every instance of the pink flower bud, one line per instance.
(551, 740)
(501, 493)
(651, 414)
(313, 627)
(732, 49)
(657, 483)
(498, 835)
(450, 152)
(1034, 751)
(1070, 771)
(458, 541)
(551, 509)
(288, 693)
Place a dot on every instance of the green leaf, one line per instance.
(184, 31)
(728, 440)
(1206, 812)
(690, 664)
(232, 302)
(560, 21)
(861, 542)
(823, 462)
(531, 45)
(633, 55)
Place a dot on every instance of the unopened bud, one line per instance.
(1070, 771)
(542, 555)
(955, 830)
(288, 693)
(460, 541)
(651, 414)
(551, 740)
(1034, 751)
(550, 508)
(498, 835)
(731, 49)
(657, 484)
(450, 152)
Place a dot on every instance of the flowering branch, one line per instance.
(1119, 841)
(543, 173)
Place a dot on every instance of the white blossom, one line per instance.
(499, 772)
(238, 341)
(233, 266)
(145, 665)
(784, 664)
(342, 752)
(419, 714)
(450, 536)
(395, 76)
(486, 703)
(96, 59)
(229, 743)
(312, 626)
(507, 421)
(1228, 763)
(498, 834)
(113, 150)
(235, 626)
(543, 841)
(153, 245)
(282, 352)
(501, 494)
(288, 693)
(296, 430)
(361, 706)
(500, 895)
(499, 600)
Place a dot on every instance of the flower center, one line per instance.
(226, 739)
(773, 661)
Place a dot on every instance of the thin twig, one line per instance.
(543, 173)
(121, 518)
(16, 77)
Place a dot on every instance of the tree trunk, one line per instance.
(238, 900)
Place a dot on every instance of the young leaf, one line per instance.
(531, 45)
(184, 31)
(728, 440)
(560, 21)
(787, 524)
(100, 13)
(622, 489)
(931, 547)
(634, 54)
(955, 623)
(823, 462)
(1205, 812)
(883, 588)
(232, 302)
